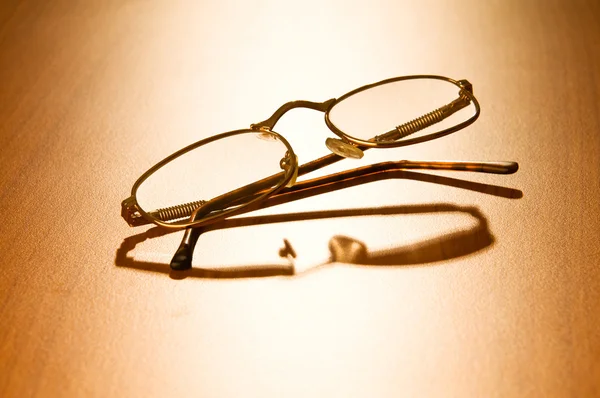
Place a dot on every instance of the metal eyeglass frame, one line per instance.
(255, 195)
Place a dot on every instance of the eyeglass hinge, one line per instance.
(131, 213)
(260, 127)
(466, 85)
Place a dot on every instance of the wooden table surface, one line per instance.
(467, 289)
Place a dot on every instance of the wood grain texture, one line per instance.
(92, 93)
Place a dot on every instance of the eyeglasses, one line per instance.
(244, 170)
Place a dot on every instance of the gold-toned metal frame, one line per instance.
(252, 196)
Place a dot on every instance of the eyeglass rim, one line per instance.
(289, 173)
(328, 105)
(411, 141)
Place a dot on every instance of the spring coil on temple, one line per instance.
(426, 120)
(176, 212)
(420, 123)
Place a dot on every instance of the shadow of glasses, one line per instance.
(342, 249)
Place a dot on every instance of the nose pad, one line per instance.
(344, 149)
(294, 176)
(285, 164)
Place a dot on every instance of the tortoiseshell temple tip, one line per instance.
(501, 167)
(513, 167)
(182, 260)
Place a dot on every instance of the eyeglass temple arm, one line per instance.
(317, 106)
(379, 168)
(376, 172)
(183, 257)
(248, 192)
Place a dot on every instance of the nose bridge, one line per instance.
(317, 106)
